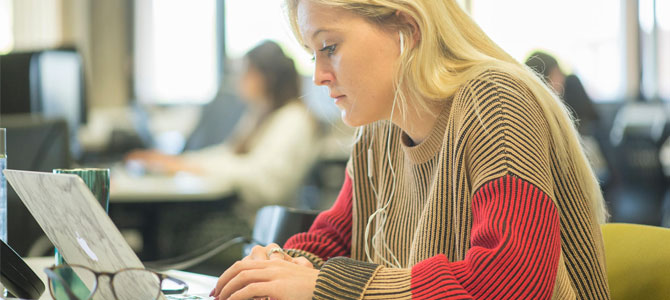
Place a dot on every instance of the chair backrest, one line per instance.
(636, 136)
(276, 224)
(638, 261)
(217, 122)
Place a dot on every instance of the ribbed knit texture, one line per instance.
(482, 209)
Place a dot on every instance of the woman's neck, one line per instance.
(262, 106)
(419, 122)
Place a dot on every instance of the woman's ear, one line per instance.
(407, 21)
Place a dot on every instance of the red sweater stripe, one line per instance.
(515, 248)
(515, 245)
(330, 234)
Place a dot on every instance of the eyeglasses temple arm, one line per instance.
(178, 281)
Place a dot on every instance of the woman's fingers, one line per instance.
(233, 271)
(278, 253)
(260, 252)
(243, 279)
(251, 291)
(274, 278)
(271, 252)
(303, 262)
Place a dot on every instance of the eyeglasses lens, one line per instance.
(80, 280)
(136, 285)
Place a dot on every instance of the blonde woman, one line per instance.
(467, 180)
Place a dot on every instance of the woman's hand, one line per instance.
(266, 253)
(259, 275)
(161, 163)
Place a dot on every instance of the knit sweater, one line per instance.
(481, 209)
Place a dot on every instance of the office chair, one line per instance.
(636, 136)
(217, 121)
(276, 224)
(638, 260)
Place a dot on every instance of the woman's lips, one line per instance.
(338, 99)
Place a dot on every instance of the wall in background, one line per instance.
(98, 29)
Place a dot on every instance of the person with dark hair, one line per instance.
(547, 66)
(572, 92)
(277, 133)
(568, 87)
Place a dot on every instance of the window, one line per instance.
(250, 22)
(654, 18)
(648, 48)
(663, 21)
(6, 35)
(176, 58)
(588, 45)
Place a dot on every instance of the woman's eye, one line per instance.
(329, 50)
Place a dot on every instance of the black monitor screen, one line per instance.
(49, 83)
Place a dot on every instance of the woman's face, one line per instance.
(557, 80)
(252, 85)
(353, 58)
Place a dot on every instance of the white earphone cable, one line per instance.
(382, 211)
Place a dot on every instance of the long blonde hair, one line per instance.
(452, 50)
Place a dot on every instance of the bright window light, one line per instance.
(663, 14)
(663, 22)
(646, 15)
(6, 35)
(586, 36)
(250, 22)
(176, 59)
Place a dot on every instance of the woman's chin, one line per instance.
(352, 121)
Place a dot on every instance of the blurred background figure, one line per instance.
(569, 88)
(264, 161)
(271, 148)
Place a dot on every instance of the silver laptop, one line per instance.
(76, 224)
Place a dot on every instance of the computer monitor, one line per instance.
(48, 82)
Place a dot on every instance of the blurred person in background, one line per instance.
(569, 88)
(273, 145)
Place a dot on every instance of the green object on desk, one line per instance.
(77, 286)
(97, 181)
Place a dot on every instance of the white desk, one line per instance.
(200, 285)
(150, 196)
(128, 188)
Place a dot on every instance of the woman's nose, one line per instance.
(322, 75)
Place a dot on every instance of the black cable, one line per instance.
(188, 260)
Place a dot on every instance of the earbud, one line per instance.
(402, 42)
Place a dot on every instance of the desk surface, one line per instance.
(128, 188)
(200, 285)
